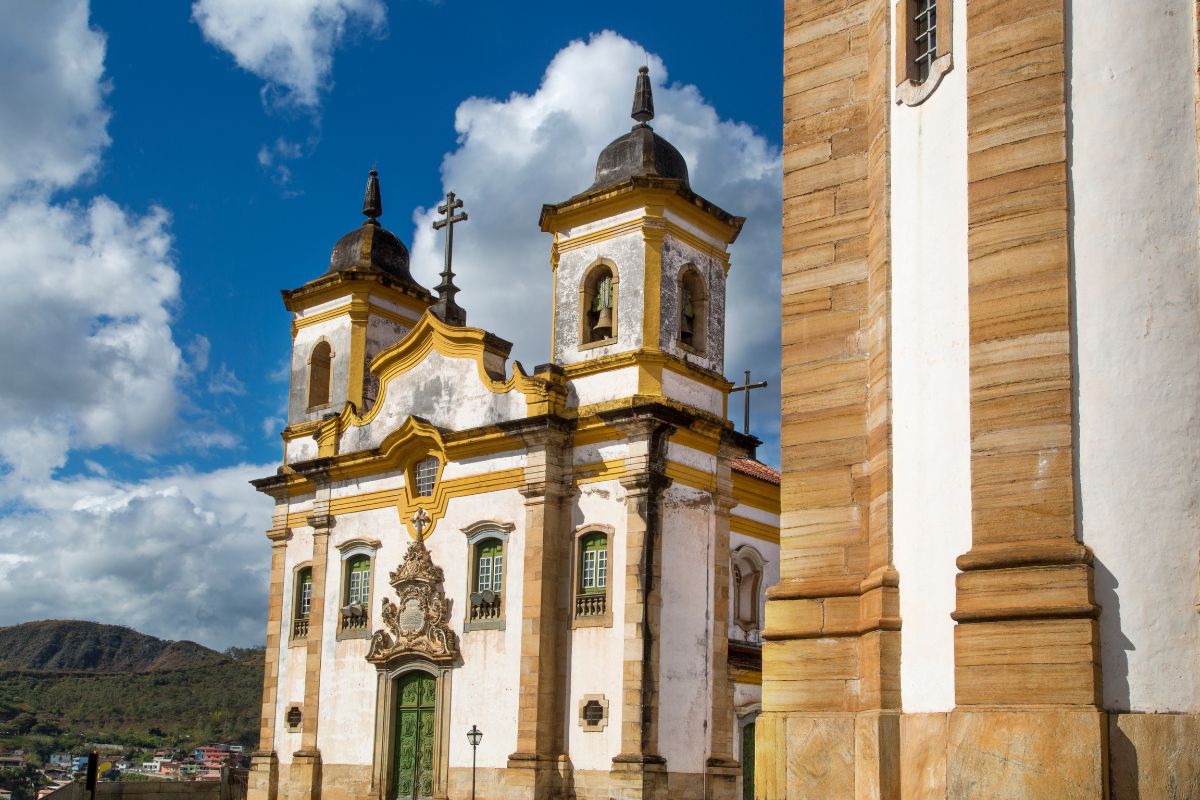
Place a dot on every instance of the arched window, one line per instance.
(303, 603)
(425, 476)
(319, 365)
(747, 569)
(693, 310)
(357, 592)
(598, 305)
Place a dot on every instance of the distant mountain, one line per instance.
(64, 683)
(77, 646)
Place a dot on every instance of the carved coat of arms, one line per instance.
(417, 624)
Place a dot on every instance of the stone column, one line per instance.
(639, 771)
(264, 764)
(831, 644)
(306, 762)
(723, 769)
(1027, 665)
(534, 769)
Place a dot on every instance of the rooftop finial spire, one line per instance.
(372, 201)
(643, 99)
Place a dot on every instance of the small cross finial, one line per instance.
(643, 97)
(746, 387)
(372, 201)
(420, 521)
(448, 310)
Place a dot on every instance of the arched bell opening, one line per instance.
(598, 304)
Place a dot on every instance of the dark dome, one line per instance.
(371, 247)
(640, 153)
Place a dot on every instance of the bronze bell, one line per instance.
(603, 327)
(685, 329)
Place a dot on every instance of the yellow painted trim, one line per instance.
(431, 334)
(757, 493)
(307, 298)
(620, 202)
(753, 529)
(653, 234)
(601, 234)
(342, 310)
(690, 476)
(359, 314)
(645, 359)
(752, 677)
(608, 470)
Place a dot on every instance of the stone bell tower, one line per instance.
(366, 301)
(640, 266)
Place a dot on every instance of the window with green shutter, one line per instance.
(489, 566)
(358, 581)
(593, 567)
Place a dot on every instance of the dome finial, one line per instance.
(372, 201)
(643, 99)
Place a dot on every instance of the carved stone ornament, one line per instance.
(417, 624)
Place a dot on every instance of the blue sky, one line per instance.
(166, 169)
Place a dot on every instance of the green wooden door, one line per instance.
(416, 697)
(748, 762)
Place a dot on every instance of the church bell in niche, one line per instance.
(602, 305)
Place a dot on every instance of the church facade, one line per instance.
(991, 404)
(570, 562)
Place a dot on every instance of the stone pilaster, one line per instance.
(306, 762)
(264, 764)
(536, 765)
(831, 648)
(1027, 665)
(639, 770)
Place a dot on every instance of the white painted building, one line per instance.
(572, 560)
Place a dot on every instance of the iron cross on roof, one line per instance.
(445, 307)
(746, 387)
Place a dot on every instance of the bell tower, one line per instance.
(366, 301)
(640, 264)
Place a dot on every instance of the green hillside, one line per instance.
(66, 684)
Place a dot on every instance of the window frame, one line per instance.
(478, 535)
(299, 573)
(747, 554)
(699, 344)
(350, 551)
(587, 293)
(913, 88)
(583, 535)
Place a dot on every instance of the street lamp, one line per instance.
(473, 736)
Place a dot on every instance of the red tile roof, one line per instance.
(756, 469)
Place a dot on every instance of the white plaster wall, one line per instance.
(628, 252)
(482, 465)
(596, 654)
(756, 514)
(446, 392)
(690, 457)
(403, 311)
(485, 689)
(1137, 273)
(602, 387)
(930, 389)
(694, 230)
(372, 483)
(686, 630)
(337, 332)
(603, 451)
(607, 222)
(300, 449)
(693, 393)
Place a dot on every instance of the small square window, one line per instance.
(293, 718)
(425, 476)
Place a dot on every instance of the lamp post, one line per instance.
(473, 736)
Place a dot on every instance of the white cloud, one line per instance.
(225, 381)
(518, 153)
(88, 354)
(52, 112)
(289, 44)
(180, 557)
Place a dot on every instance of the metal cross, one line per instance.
(446, 308)
(420, 521)
(746, 387)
